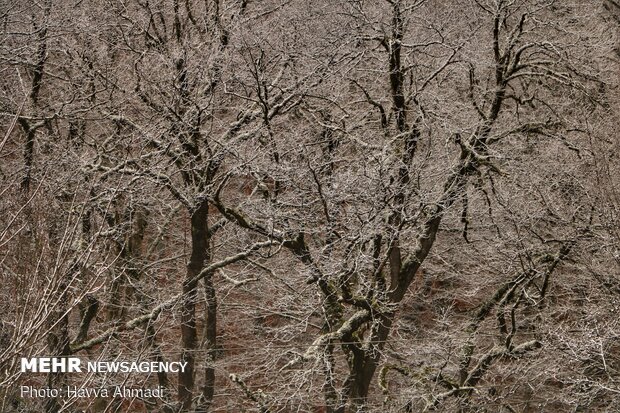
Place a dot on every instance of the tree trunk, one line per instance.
(198, 258)
(209, 343)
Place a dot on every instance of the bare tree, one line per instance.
(401, 205)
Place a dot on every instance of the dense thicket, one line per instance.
(320, 206)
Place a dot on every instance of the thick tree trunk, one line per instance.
(365, 363)
(198, 258)
(209, 343)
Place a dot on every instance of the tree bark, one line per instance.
(199, 256)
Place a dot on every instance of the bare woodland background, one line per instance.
(321, 206)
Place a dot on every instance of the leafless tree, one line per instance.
(350, 206)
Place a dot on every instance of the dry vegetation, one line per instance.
(321, 206)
